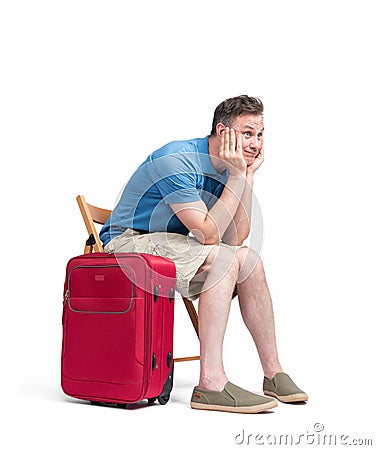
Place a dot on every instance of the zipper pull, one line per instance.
(66, 295)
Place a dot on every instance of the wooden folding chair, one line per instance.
(93, 215)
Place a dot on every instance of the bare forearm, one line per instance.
(220, 216)
(239, 229)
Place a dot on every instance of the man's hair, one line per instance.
(227, 111)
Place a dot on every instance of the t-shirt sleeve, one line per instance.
(175, 177)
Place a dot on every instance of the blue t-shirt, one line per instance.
(179, 172)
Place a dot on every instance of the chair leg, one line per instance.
(194, 319)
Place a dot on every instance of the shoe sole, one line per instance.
(292, 398)
(236, 409)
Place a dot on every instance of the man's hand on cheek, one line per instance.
(231, 152)
(259, 159)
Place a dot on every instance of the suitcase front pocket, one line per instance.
(102, 347)
(100, 325)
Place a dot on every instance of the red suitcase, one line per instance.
(118, 328)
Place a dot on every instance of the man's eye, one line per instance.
(259, 135)
(247, 134)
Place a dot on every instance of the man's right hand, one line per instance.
(231, 152)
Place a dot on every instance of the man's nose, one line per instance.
(254, 144)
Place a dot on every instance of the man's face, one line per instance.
(252, 130)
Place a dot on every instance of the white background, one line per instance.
(88, 89)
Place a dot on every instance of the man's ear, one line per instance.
(220, 128)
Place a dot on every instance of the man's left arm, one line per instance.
(240, 226)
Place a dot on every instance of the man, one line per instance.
(191, 201)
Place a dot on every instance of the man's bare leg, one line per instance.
(256, 308)
(221, 272)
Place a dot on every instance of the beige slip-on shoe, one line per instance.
(232, 399)
(284, 389)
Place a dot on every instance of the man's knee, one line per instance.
(221, 259)
(249, 261)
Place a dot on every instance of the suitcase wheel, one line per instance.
(151, 400)
(163, 399)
